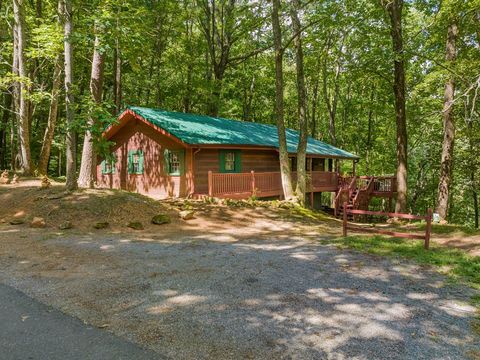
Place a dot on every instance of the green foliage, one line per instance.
(167, 61)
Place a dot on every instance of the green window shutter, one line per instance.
(114, 164)
(221, 159)
(130, 161)
(238, 161)
(181, 155)
(104, 166)
(140, 161)
(166, 161)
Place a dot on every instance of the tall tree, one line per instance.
(52, 119)
(22, 88)
(279, 100)
(331, 97)
(394, 10)
(87, 176)
(3, 127)
(65, 11)
(446, 163)
(218, 25)
(117, 68)
(302, 105)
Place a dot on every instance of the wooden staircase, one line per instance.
(356, 193)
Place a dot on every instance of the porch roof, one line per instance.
(195, 129)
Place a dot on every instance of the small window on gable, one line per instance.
(108, 165)
(135, 162)
(230, 161)
(174, 162)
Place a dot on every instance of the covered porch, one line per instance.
(265, 184)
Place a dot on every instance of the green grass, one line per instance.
(455, 263)
(303, 212)
(443, 229)
(449, 229)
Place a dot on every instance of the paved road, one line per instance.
(31, 330)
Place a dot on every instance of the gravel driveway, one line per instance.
(229, 296)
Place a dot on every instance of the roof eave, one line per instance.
(124, 118)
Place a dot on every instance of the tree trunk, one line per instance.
(473, 165)
(475, 199)
(313, 121)
(369, 131)
(218, 26)
(3, 127)
(282, 141)
(22, 89)
(394, 9)
(65, 10)
(187, 98)
(302, 107)
(13, 146)
(117, 78)
(52, 119)
(249, 93)
(448, 128)
(88, 165)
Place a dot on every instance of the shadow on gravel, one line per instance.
(231, 296)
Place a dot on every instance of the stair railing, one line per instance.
(352, 186)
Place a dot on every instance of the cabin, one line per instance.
(166, 154)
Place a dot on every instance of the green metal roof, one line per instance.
(195, 129)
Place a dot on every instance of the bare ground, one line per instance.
(231, 283)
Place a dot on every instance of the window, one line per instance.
(230, 161)
(318, 164)
(135, 162)
(108, 165)
(174, 161)
(293, 163)
(330, 165)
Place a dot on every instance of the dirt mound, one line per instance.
(82, 208)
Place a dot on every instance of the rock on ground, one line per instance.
(187, 214)
(38, 222)
(161, 219)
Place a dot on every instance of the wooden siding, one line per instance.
(208, 160)
(154, 181)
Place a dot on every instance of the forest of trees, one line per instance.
(395, 82)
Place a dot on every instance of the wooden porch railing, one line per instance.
(385, 184)
(264, 184)
(221, 184)
(381, 183)
(357, 191)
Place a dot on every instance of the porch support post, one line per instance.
(311, 174)
(253, 182)
(210, 183)
(311, 199)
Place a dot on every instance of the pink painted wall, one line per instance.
(154, 181)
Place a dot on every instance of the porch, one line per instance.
(265, 184)
(357, 191)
